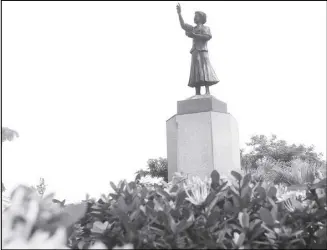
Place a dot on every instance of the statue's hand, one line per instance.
(179, 9)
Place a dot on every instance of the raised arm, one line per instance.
(184, 25)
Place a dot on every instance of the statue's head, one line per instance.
(200, 17)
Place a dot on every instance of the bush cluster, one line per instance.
(208, 214)
(189, 214)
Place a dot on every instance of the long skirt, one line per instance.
(202, 73)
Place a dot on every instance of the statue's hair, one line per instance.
(202, 15)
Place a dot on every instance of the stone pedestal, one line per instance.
(202, 137)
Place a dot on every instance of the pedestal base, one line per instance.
(199, 142)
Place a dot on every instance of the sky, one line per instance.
(89, 85)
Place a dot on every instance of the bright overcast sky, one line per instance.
(89, 85)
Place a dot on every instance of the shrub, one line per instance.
(296, 172)
(33, 222)
(185, 214)
(205, 215)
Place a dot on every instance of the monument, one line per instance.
(202, 136)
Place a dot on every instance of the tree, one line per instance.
(8, 134)
(155, 168)
(277, 150)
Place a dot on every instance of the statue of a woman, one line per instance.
(202, 73)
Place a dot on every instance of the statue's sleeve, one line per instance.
(188, 27)
(206, 31)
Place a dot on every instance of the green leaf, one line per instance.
(164, 194)
(266, 216)
(114, 187)
(320, 184)
(274, 210)
(237, 175)
(124, 218)
(81, 244)
(73, 213)
(122, 186)
(122, 204)
(213, 218)
(215, 177)
(244, 219)
(245, 190)
(210, 198)
(261, 191)
(240, 240)
(321, 232)
(174, 189)
(257, 231)
(221, 186)
(245, 200)
(218, 197)
(255, 223)
(136, 203)
(144, 192)
(246, 180)
(180, 198)
(236, 201)
(227, 206)
(183, 225)
(272, 192)
(221, 236)
(297, 233)
(162, 217)
(132, 185)
(172, 223)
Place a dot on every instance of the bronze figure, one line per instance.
(202, 73)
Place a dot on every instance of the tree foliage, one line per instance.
(8, 134)
(262, 147)
(155, 168)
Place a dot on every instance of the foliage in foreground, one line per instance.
(33, 222)
(7, 134)
(184, 214)
(206, 214)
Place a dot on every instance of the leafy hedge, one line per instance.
(205, 215)
(184, 214)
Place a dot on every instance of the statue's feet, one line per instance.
(197, 90)
(207, 90)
